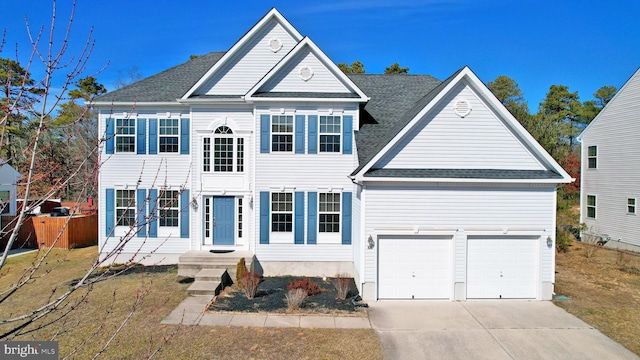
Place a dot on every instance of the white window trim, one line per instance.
(272, 133)
(589, 157)
(595, 207)
(166, 231)
(134, 135)
(339, 133)
(236, 136)
(635, 206)
(324, 237)
(277, 237)
(166, 136)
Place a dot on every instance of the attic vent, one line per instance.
(462, 107)
(305, 72)
(275, 44)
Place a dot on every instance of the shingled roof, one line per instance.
(166, 86)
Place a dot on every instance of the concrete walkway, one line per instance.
(487, 330)
(192, 311)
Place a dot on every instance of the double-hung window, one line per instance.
(592, 157)
(282, 133)
(631, 206)
(125, 207)
(169, 135)
(591, 206)
(282, 212)
(5, 204)
(330, 134)
(169, 207)
(329, 213)
(125, 135)
(223, 152)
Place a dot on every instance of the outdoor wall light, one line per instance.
(194, 204)
(371, 243)
(549, 242)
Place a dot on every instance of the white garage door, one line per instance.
(502, 267)
(414, 268)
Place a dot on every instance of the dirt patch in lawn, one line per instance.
(604, 291)
(270, 298)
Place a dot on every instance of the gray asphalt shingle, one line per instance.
(465, 174)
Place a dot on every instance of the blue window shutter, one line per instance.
(313, 134)
(141, 199)
(347, 134)
(185, 200)
(153, 213)
(184, 136)
(153, 136)
(299, 218)
(264, 217)
(346, 218)
(299, 134)
(110, 136)
(265, 133)
(312, 217)
(110, 213)
(141, 138)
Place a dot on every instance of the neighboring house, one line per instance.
(9, 178)
(416, 187)
(610, 175)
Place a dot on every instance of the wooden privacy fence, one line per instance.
(73, 232)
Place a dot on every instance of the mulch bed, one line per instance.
(270, 298)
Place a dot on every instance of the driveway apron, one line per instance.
(487, 330)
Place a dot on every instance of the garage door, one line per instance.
(414, 268)
(502, 267)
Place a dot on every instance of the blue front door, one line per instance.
(223, 220)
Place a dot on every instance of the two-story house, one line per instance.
(610, 170)
(418, 188)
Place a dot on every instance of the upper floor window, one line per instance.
(226, 154)
(282, 133)
(631, 205)
(169, 207)
(125, 135)
(125, 207)
(330, 133)
(168, 137)
(591, 206)
(592, 157)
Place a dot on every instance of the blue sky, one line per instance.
(581, 44)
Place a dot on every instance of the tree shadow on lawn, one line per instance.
(270, 298)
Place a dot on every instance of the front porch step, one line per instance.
(191, 262)
(210, 274)
(210, 288)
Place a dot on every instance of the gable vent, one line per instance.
(275, 44)
(305, 72)
(462, 107)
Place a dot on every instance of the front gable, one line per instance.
(445, 139)
(461, 132)
(249, 59)
(306, 73)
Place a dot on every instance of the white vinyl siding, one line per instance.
(459, 210)
(288, 78)
(250, 63)
(615, 132)
(443, 140)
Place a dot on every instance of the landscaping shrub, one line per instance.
(342, 282)
(294, 298)
(310, 287)
(241, 271)
(250, 283)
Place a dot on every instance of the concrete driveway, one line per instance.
(487, 330)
